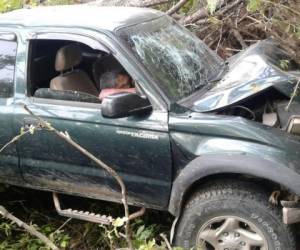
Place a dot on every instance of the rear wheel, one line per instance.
(232, 216)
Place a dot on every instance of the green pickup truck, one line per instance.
(216, 143)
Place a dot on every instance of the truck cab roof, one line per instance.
(84, 16)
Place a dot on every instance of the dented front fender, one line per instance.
(216, 145)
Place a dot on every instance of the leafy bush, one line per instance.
(8, 5)
(37, 207)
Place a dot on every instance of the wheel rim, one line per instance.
(230, 233)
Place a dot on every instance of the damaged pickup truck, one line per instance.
(215, 143)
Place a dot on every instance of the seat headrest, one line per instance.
(107, 79)
(67, 57)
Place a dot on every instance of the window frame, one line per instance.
(90, 41)
(112, 43)
(48, 101)
(10, 36)
(63, 36)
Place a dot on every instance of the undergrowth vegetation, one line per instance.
(36, 208)
(229, 26)
(8, 5)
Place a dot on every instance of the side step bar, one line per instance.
(291, 215)
(81, 215)
(290, 212)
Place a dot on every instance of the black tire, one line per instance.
(232, 198)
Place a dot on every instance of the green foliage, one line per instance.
(119, 222)
(191, 6)
(8, 5)
(14, 238)
(59, 2)
(297, 32)
(151, 244)
(254, 5)
(34, 206)
(284, 64)
(212, 5)
(144, 236)
(37, 207)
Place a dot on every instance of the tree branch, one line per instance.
(176, 7)
(13, 140)
(168, 245)
(199, 14)
(28, 228)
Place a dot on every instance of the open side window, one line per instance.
(71, 70)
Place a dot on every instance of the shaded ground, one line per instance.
(36, 207)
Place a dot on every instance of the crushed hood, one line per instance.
(249, 72)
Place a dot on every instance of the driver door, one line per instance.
(137, 147)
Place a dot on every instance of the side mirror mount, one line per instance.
(124, 104)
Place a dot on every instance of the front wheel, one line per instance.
(232, 216)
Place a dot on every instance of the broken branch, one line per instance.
(199, 14)
(166, 241)
(176, 7)
(13, 140)
(28, 228)
(293, 95)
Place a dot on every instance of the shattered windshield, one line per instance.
(180, 63)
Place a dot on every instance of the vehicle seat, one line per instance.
(103, 66)
(68, 57)
(107, 79)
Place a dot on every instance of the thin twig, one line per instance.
(28, 228)
(220, 38)
(13, 140)
(237, 34)
(199, 14)
(228, 7)
(65, 223)
(239, 37)
(293, 95)
(166, 241)
(284, 6)
(137, 214)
